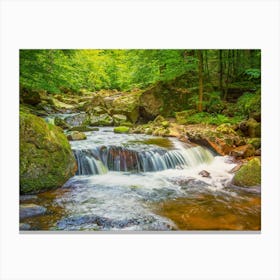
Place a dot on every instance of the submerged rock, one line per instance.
(249, 174)
(46, 159)
(31, 210)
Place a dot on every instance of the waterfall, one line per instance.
(100, 159)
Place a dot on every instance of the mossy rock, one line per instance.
(181, 117)
(256, 142)
(76, 136)
(102, 120)
(121, 129)
(225, 128)
(249, 174)
(83, 128)
(46, 159)
(61, 123)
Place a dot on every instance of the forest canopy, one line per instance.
(55, 70)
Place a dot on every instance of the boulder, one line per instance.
(121, 129)
(256, 142)
(31, 210)
(76, 135)
(46, 159)
(249, 174)
(30, 97)
(77, 119)
(243, 151)
(204, 173)
(226, 128)
(119, 119)
(251, 128)
(150, 104)
(83, 128)
(102, 120)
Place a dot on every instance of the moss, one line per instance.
(121, 129)
(256, 142)
(83, 128)
(46, 159)
(249, 174)
(76, 135)
(165, 124)
(225, 128)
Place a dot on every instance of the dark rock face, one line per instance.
(31, 210)
(46, 158)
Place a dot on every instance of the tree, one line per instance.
(200, 75)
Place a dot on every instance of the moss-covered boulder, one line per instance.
(76, 136)
(31, 97)
(46, 159)
(121, 129)
(83, 128)
(249, 174)
(119, 119)
(251, 128)
(226, 128)
(243, 151)
(256, 142)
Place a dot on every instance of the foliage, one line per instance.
(215, 119)
(252, 73)
(248, 103)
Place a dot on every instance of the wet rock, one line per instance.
(46, 158)
(121, 129)
(249, 174)
(24, 226)
(204, 173)
(61, 123)
(31, 210)
(102, 120)
(76, 135)
(77, 120)
(243, 151)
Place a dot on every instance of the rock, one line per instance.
(31, 210)
(165, 124)
(77, 120)
(46, 158)
(204, 173)
(76, 135)
(30, 97)
(243, 151)
(258, 152)
(61, 106)
(61, 123)
(24, 226)
(249, 174)
(182, 117)
(150, 104)
(83, 128)
(256, 142)
(119, 119)
(251, 128)
(256, 116)
(127, 104)
(102, 120)
(226, 128)
(121, 129)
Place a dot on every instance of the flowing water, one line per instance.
(139, 182)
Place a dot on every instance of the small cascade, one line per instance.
(100, 159)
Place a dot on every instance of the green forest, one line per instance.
(167, 109)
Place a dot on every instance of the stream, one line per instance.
(145, 183)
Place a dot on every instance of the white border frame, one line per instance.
(134, 24)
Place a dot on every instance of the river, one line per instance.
(135, 182)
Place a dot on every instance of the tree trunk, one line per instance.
(221, 71)
(200, 73)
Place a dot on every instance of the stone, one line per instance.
(204, 173)
(102, 120)
(119, 119)
(83, 128)
(251, 128)
(61, 123)
(30, 97)
(46, 158)
(243, 151)
(256, 142)
(249, 174)
(226, 128)
(76, 135)
(121, 129)
(31, 210)
(77, 119)
(182, 117)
